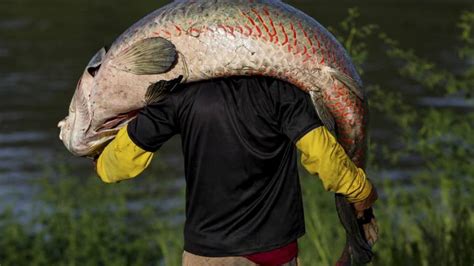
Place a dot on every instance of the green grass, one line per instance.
(88, 223)
(93, 224)
(417, 228)
(425, 215)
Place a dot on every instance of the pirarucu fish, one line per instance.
(189, 41)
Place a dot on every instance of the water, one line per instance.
(44, 46)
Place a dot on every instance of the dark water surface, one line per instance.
(44, 46)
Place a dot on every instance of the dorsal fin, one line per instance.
(147, 57)
(158, 90)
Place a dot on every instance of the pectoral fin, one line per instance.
(147, 57)
(158, 90)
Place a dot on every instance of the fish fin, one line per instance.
(323, 112)
(148, 57)
(158, 90)
(348, 81)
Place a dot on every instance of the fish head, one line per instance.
(76, 130)
(99, 107)
(111, 91)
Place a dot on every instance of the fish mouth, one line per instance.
(107, 132)
(61, 125)
(92, 142)
(117, 122)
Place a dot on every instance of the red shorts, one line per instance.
(275, 257)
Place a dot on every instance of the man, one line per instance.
(240, 137)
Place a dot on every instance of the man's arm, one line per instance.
(132, 149)
(122, 159)
(324, 156)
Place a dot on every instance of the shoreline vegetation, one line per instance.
(425, 212)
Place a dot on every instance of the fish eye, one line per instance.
(93, 70)
(94, 64)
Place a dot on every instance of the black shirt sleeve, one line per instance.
(295, 111)
(154, 125)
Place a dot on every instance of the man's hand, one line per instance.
(366, 217)
(369, 225)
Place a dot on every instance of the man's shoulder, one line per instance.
(254, 82)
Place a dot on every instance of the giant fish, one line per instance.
(187, 41)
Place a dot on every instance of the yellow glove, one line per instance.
(122, 159)
(322, 155)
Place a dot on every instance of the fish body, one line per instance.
(205, 39)
(217, 39)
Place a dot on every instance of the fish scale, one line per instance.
(223, 38)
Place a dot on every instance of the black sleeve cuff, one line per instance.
(305, 131)
(136, 141)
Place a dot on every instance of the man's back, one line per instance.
(239, 140)
(238, 135)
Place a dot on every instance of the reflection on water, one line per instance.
(453, 102)
(44, 46)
